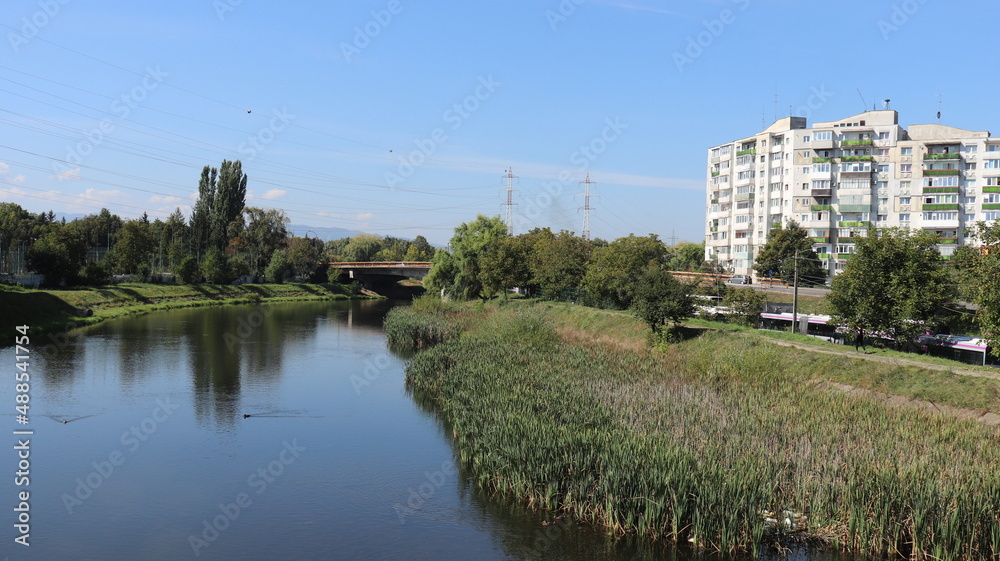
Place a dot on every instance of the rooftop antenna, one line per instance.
(776, 104)
(887, 100)
(940, 99)
(864, 104)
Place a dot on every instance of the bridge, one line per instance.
(363, 270)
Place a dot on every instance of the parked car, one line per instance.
(739, 279)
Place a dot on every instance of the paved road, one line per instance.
(787, 290)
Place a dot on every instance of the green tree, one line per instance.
(186, 270)
(278, 269)
(14, 222)
(614, 269)
(265, 231)
(202, 213)
(777, 257)
(659, 298)
(441, 278)
(215, 267)
(469, 244)
(59, 255)
(504, 266)
(363, 247)
(227, 205)
(893, 284)
(981, 275)
(303, 256)
(687, 256)
(559, 262)
(746, 305)
(419, 250)
(133, 247)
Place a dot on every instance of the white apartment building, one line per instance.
(839, 179)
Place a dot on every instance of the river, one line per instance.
(277, 431)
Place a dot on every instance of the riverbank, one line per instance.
(713, 440)
(50, 311)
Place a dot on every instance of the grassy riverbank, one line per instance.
(49, 311)
(709, 441)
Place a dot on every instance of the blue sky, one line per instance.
(401, 117)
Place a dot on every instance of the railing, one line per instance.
(861, 142)
(949, 156)
(939, 172)
(381, 264)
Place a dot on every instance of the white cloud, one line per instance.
(364, 216)
(71, 174)
(170, 199)
(4, 168)
(274, 194)
(19, 178)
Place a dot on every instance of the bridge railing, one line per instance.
(380, 264)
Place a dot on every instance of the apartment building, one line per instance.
(839, 179)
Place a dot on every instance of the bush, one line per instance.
(279, 269)
(95, 274)
(238, 267)
(215, 267)
(186, 272)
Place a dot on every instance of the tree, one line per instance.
(422, 250)
(981, 273)
(215, 267)
(133, 247)
(303, 256)
(687, 257)
(363, 247)
(13, 226)
(559, 262)
(893, 284)
(278, 269)
(59, 255)
(265, 231)
(201, 214)
(230, 198)
(614, 269)
(469, 245)
(660, 298)
(777, 257)
(505, 266)
(186, 270)
(746, 304)
(441, 278)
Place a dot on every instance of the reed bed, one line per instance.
(716, 442)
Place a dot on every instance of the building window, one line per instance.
(904, 200)
(883, 169)
(970, 218)
(992, 164)
(940, 216)
(821, 168)
(906, 151)
(882, 201)
(969, 200)
(805, 138)
(883, 151)
(882, 217)
(991, 215)
(883, 136)
(904, 217)
(823, 135)
(904, 185)
(905, 168)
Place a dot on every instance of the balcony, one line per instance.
(714, 160)
(940, 172)
(991, 189)
(845, 255)
(821, 192)
(859, 142)
(821, 160)
(744, 196)
(820, 207)
(854, 208)
(746, 152)
(823, 255)
(929, 190)
(821, 240)
(991, 206)
(715, 174)
(857, 159)
(846, 239)
(948, 241)
(854, 224)
(949, 156)
(929, 207)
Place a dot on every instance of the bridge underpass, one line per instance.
(377, 272)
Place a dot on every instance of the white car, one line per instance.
(739, 279)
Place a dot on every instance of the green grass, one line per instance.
(47, 311)
(694, 443)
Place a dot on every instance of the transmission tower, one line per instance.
(586, 208)
(509, 218)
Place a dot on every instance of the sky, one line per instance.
(403, 118)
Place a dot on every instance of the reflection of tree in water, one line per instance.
(215, 371)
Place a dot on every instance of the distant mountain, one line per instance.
(325, 234)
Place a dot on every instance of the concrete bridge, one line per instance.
(365, 270)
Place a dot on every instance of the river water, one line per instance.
(278, 431)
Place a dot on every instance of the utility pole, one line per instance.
(586, 208)
(795, 294)
(509, 219)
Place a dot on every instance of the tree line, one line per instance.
(223, 239)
